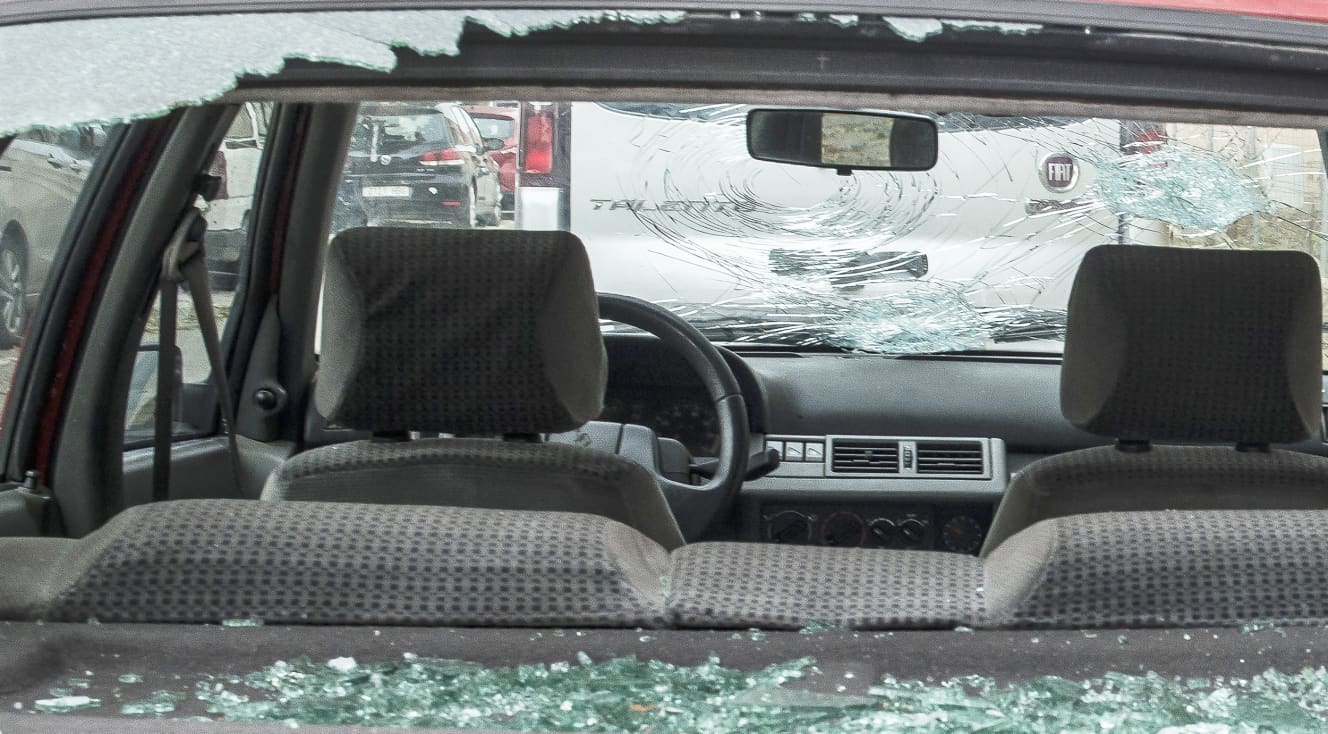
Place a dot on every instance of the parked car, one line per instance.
(420, 165)
(500, 123)
(42, 174)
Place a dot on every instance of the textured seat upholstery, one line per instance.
(1162, 569)
(717, 585)
(196, 561)
(204, 561)
(486, 334)
(1183, 346)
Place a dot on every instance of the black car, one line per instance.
(420, 164)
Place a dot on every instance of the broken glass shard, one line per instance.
(914, 29)
(166, 62)
(631, 695)
(1009, 29)
(66, 704)
(342, 665)
(161, 702)
(1181, 187)
(819, 626)
(920, 29)
(795, 698)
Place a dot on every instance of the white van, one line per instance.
(673, 209)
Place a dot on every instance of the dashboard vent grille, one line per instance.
(950, 457)
(865, 457)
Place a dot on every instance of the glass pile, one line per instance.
(630, 695)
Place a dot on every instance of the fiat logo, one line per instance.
(1059, 172)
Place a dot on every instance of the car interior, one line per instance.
(454, 443)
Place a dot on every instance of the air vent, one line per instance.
(950, 457)
(864, 456)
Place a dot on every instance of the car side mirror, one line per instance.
(493, 144)
(844, 141)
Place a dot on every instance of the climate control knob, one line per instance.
(789, 527)
(844, 529)
(913, 531)
(883, 532)
(961, 534)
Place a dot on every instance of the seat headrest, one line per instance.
(1183, 344)
(474, 332)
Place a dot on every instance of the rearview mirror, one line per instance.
(494, 144)
(844, 141)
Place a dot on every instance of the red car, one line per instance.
(500, 123)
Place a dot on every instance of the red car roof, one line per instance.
(1311, 10)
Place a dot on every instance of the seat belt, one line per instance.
(184, 262)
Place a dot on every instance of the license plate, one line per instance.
(386, 192)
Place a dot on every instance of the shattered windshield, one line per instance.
(978, 253)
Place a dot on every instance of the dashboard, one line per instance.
(680, 413)
(831, 488)
(878, 452)
(652, 386)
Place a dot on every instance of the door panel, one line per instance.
(201, 469)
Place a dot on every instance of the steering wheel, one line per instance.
(694, 506)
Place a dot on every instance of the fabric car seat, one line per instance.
(1187, 346)
(491, 336)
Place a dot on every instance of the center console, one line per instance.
(907, 492)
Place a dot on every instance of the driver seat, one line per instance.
(491, 336)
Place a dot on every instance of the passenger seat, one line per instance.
(1185, 346)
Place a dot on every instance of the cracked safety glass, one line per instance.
(628, 694)
(975, 254)
(162, 63)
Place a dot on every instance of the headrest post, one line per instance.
(1133, 446)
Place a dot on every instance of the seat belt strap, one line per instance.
(185, 262)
